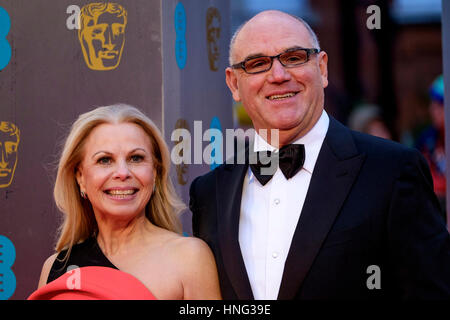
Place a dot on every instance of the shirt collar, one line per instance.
(312, 141)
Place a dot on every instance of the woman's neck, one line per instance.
(115, 236)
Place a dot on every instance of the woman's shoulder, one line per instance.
(189, 249)
(196, 268)
(52, 263)
(83, 254)
(46, 269)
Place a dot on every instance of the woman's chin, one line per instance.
(122, 213)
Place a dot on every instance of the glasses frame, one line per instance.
(309, 51)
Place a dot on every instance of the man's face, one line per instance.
(102, 41)
(298, 91)
(8, 158)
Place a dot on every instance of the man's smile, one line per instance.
(281, 96)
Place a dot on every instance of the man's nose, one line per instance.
(122, 172)
(278, 73)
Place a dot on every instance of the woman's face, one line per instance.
(117, 170)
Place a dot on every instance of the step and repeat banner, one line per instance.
(196, 97)
(59, 59)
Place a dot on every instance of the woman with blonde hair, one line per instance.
(121, 210)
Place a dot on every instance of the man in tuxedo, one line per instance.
(345, 215)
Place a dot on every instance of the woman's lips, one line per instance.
(121, 193)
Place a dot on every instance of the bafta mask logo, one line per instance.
(213, 26)
(181, 168)
(9, 142)
(102, 34)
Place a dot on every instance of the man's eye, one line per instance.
(256, 63)
(295, 57)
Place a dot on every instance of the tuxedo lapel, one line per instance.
(336, 168)
(229, 184)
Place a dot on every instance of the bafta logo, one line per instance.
(9, 142)
(213, 27)
(102, 34)
(182, 168)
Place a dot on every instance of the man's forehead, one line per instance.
(271, 36)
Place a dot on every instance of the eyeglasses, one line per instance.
(290, 58)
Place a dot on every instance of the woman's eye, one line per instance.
(104, 160)
(136, 158)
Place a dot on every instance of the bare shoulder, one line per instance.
(198, 269)
(46, 269)
(191, 248)
(193, 252)
(181, 245)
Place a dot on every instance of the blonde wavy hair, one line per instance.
(79, 221)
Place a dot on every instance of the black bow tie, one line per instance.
(290, 160)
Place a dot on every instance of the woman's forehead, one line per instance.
(122, 134)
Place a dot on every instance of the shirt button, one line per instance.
(276, 201)
(275, 255)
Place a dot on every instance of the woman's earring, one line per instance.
(83, 194)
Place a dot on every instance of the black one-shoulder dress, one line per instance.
(85, 254)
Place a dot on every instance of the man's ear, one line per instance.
(323, 65)
(231, 80)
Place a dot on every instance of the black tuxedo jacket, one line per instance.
(370, 202)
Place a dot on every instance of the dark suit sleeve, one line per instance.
(418, 238)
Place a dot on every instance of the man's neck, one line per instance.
(279, 138)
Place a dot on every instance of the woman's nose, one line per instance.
(122, 171)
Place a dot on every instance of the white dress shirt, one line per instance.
(269, 215)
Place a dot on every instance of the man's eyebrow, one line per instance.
(257, 55)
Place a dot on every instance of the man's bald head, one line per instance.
(265, 15)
